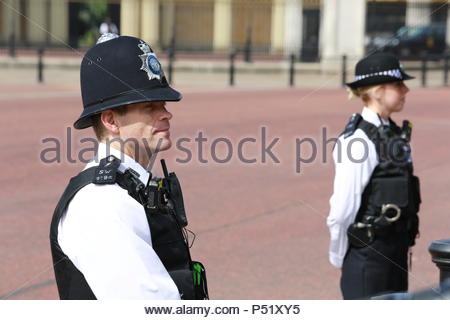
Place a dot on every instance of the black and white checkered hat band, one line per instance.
(396, 73)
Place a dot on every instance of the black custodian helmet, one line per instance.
(118, 71)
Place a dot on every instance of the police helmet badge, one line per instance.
(150, 63)
(106, 37)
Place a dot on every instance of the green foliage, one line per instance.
(92, 15)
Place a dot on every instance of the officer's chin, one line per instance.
(398, 107)
(163, 144)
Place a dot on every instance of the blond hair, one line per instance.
(361, 93)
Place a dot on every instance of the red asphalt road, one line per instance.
(261, 228)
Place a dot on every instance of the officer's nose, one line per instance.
(405, 88)
(165, 115)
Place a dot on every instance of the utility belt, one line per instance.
(363, 233)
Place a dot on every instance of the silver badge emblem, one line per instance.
(150, 63)
(106, 37)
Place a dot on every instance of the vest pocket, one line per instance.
(390, 190)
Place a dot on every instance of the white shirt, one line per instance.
(350, 180)
(105, 234)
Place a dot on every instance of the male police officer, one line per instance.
(118, 233)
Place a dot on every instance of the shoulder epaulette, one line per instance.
(106, 171)
(352, 125)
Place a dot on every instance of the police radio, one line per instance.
(172, 185)
(162, 195)
(406, 130)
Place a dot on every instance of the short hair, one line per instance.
(97, 125)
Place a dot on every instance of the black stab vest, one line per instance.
(392, 181)
(167, 235)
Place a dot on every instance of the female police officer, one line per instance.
(118, 233)
(373, 215)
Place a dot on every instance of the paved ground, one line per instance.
(260, 227)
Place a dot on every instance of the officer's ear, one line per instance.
(110, 121)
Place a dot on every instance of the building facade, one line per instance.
(310, 29)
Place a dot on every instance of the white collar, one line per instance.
(105, 150)
(373, 117)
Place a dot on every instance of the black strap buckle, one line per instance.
(106, 171)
